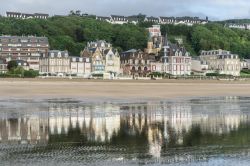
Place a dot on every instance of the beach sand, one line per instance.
(120, 90)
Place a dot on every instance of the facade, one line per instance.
(104, 59)
(176, 59)
(26, 16)
(245, 64)
(136, 63)
(156, 67)
(182, 20)
(26, 48)
(118, 19)
(155, 41)
(238, 26)
(101, 44)
(98, 61)
(115, 19)
(112, 63)
(154, 31)
(198, 67)
(179, 64)
(80, 66)
(222, 61)
(3, 66)
(55, 63)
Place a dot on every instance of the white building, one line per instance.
(26, 16)
(222, 61)
(189, 21)
(245, 64)
(55, 63)
(238, 26)
(113, 63)
(80, 66)
(3, 66)
(198, 67)
(114, 19)
(154, 31)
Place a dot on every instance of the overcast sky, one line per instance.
(214, 9)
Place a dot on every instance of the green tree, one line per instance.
(12, 65)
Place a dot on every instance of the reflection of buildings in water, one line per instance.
(24, 130)
(161, 121)
(221, 116)
(155, 139)
(178, 119)
(158, 120)
(97, 123)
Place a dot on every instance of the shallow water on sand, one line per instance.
(205, 131)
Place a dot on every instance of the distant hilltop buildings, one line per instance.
(238, 26)
(26, 15)
(115, 19)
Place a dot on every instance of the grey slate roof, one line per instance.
(119, 18)
(64, 54)
(101, 18)
(30, 39)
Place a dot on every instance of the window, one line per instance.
(59, 55)
(174, 59)
(175, 67)
(182, 68)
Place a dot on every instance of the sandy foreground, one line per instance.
(120, 90)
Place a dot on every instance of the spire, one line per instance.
(166, 49)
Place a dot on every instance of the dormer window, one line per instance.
(52, 55)
(180, 53)
(59, 55)
(66, 54)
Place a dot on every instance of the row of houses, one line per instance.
(116, 19)
(99, 58)
(238, 26)
(26, 15)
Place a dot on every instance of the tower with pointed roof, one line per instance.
(166, 49)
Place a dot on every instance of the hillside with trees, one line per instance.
(73, 32)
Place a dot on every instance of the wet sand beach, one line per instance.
(132, 90)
